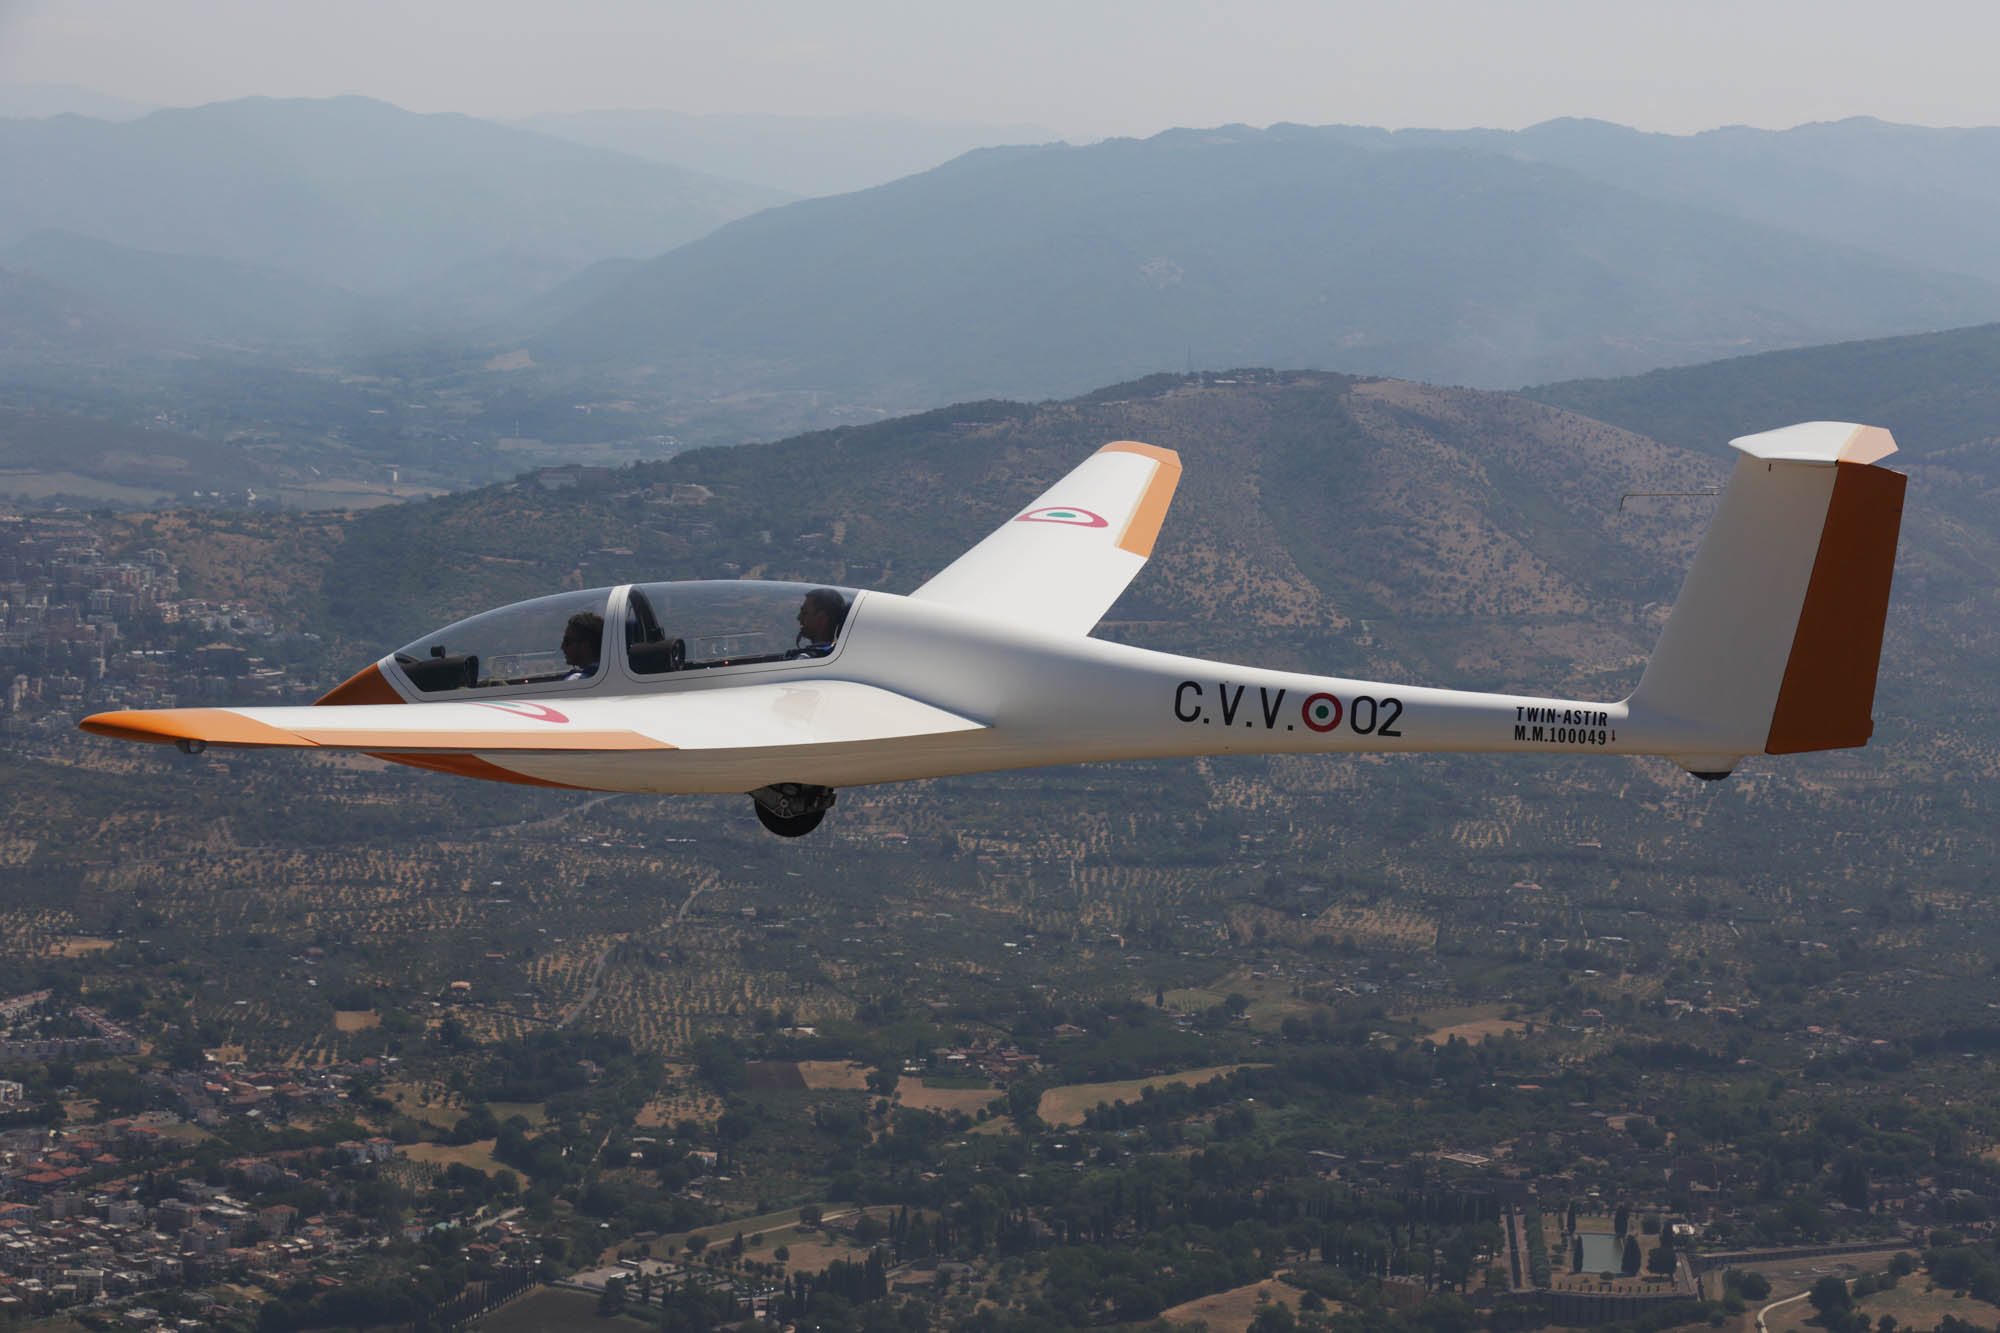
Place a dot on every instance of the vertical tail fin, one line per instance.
(1773, 643)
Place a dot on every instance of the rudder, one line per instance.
(1772, 646)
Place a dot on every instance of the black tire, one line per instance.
(797, 826)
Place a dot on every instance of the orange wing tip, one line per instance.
(1167, 457)
(1142, 529)
(366, 686)
(165, 726)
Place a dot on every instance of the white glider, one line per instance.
(788, 692)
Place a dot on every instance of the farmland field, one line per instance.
(1232, 1311)
(1067, 1105)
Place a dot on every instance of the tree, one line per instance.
(1621, 1221)
(1829, 1296)
(1632, 1260)
(1661, 1261)
(1850, 1182)
(1274, 1318)
(612, 1299)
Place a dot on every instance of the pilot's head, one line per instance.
(821, 615)
(582, 638)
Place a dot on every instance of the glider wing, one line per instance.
(1061, 562)
(734, 717)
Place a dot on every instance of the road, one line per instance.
(1787, 1301)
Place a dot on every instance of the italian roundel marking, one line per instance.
(1070, 514)
(522, 708)
(1321, 712)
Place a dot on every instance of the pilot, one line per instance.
(583, 638)
(821, 615)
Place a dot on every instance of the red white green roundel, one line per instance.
(1081, 518)
(1321, 712)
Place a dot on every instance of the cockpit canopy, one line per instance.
(640, 630)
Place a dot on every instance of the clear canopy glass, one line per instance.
(548, 641)
(685, 626)
(569, 639)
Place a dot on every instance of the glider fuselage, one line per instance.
(1037, 699)
(1772, 648)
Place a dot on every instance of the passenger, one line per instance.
(821, 616)
(583, 639)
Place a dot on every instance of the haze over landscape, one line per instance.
(320, 330)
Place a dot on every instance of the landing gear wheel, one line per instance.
(791, 809)
(795, 827)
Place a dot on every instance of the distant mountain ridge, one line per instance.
(190, 297)
(396, 247)
(804, 155)
(35, 100)
(1912, 194)
(347, 190)
(1035, 271)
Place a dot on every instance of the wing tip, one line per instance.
(166, 726)
(1164, 457)
(1142, 526)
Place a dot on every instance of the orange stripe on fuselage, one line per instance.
(1827, 699)
(1142, 529)
(493, 741)
(472, 766)
(220, 726)
(366, 686)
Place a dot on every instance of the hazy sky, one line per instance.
(1078, 67)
